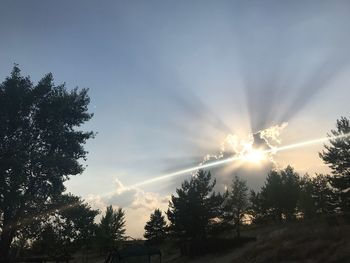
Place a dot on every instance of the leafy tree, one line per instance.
(191, 210)
(236, 204)
(337, 156)
(40, 147)
(155, 228)
(111, 229)
(78, 218)
(69, 227)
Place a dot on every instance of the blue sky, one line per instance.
(169, 80)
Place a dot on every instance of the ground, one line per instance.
(311, 241)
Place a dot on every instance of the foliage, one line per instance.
(236, 204)
(155, 228)
(323, 195)
(306, 202)
(316, 197)
(278, 198)
(111, 229)
(69, 227)
(191, 210)
(40, 147)
(337, 156)
(257, 207)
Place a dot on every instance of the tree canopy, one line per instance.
(70, 226)
(40, 147)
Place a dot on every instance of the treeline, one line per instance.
(71, 227)
(197, 212)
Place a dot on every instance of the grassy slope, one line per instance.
(312, 241)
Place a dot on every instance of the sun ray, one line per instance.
(254, 156)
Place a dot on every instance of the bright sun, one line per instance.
(254, 156)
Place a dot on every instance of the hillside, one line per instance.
(311, 241)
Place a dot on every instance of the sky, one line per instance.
(169, 81)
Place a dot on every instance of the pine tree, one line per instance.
(337, 156)
(279, 197)
(111, 229)
(236, 204)
(306, 202)
(256, 208)
(323, 195)
(191, 210)
(155, 228)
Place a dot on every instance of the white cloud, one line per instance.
(137, 203)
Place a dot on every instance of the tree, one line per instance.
(78, 220)
(155, 228)
(271, 196)
(111, 229)
(291, 192)
(236, 204)
(306, 202)
(69, 227)
(40, 148)
(257, 209)
(279, 196)
(191, 210)
(323, 195)
(337, 156)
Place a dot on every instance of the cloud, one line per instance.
(137, 203)
(236, 146)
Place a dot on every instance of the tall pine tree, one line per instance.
(236, 204)
(191, 210)
(155, 228)
(337, 156)
(111, 229)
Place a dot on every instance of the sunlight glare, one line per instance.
(254, 156)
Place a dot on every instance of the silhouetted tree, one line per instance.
(78, 219)
(111, 229)
(257, 208)
(191, 210)
(337, 156)
(291, 192)
(155, 228)
(271, 196)
(40, 146)
(323, 195)
(236, 204)
(69, 227)
(279, 196)
(306, 202)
